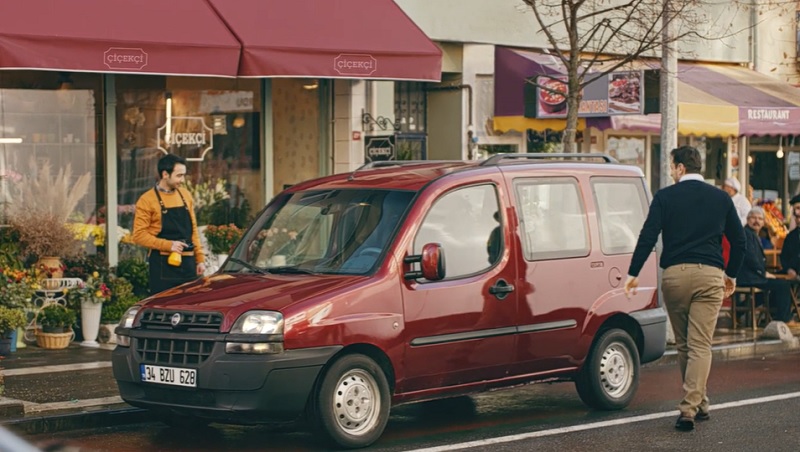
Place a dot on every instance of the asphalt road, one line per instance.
(755, 406)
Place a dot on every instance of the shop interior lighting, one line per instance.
(311, 84)
(779, 154)
(238, 121)
(10, 140)
(168, 133)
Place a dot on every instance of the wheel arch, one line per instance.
(625, 323)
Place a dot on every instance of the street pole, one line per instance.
(669, 93)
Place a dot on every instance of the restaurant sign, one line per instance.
(616, 93)
(186, 136)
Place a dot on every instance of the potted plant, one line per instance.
(39, 209)
(10, 320)
(222, 238)
(55, 326)
(93, 293)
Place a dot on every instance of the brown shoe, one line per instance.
(702, 416)
(685, 423)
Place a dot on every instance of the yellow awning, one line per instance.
(708, 119)
(521, 124)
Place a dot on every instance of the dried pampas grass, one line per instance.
(41, 193)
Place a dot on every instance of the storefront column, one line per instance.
(110, 117)
(269, 165)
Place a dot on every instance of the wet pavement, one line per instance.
(49, 390)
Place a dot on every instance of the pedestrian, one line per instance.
(164, 223)
(754, 274)
(790, 253)
(692, 216)
(733, 188)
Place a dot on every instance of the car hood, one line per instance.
(235, 292)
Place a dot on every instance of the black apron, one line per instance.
(176, 224)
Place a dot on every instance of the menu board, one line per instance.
(616, 93)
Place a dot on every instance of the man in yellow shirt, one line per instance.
(165, 223)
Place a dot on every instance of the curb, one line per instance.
(77, 421)
(743, 350)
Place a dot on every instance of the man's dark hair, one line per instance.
(168, 162)
(689, 156)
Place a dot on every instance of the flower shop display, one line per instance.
(54, 323)
(10, 320)
(222, 238)
(205, 195)
(122, 298)
(92, 294)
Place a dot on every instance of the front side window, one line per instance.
(466, 222)
(553, 219)
(621, 210)
(322, 231)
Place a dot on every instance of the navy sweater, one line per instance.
(692, 216)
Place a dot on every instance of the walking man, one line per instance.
(165, 223)
(692, 217)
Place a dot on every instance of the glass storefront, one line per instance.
(214, 123)
(52, 119)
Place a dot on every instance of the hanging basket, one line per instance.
(54, 341)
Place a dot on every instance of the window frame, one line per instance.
(643, 198)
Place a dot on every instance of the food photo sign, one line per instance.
(617, 93)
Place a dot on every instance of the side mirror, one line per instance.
(432, 263)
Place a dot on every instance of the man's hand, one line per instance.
(792, 274)
(178, 246)
(201, 268)
(730, 286)
(630, 285)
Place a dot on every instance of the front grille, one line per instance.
(178, 352)
(196, 321)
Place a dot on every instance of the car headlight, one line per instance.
(259, 322)
(129, 317)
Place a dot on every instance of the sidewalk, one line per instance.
(53, 390)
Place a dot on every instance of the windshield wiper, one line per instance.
(248, 265)
(291, 269)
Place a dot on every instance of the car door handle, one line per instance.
(501, 289)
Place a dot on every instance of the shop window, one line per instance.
(410, 107)
(53, 118)
(553, 219)
(628, 150)
(214, 123)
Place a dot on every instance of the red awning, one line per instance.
(183, 37)
(362, 39)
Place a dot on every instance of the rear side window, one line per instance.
(621, 210)
(465, 222)
(553, 218)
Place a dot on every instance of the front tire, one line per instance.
(609, 378)
(351, 404)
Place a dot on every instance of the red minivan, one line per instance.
(407, 281)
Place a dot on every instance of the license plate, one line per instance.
(169, 375)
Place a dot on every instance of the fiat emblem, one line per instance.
(176, 319)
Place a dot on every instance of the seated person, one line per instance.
(753, 272)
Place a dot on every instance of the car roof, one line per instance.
(414, 175)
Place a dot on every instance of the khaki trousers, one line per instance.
(693, 294)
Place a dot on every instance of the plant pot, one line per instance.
(90, 322)
(51, 265)
(53, 341)
(5, 345)
(107, 334)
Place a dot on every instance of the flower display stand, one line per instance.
(90, 322)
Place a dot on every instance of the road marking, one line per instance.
(55, 406)
(603, 424)
(59, 368)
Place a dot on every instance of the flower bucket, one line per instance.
(54, 341)
(90, 322)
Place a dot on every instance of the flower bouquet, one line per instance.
(222, 238)
(94, 289)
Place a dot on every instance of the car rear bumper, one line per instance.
(232, 388)
(653, 323)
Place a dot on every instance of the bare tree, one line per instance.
(593, 38)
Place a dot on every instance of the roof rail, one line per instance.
(388, 163)
(496, 159)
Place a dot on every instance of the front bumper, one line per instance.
(231, 388)
(653, 323)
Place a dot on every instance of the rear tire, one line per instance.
(350, 406)
(609, 377)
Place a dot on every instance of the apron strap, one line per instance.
(161, 201)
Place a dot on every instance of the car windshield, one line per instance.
(322, 231)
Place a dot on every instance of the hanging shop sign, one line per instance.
(379, 148)
(616, 93)
(186, 136)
